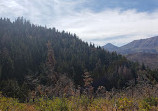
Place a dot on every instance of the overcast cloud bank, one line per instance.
(109, 25)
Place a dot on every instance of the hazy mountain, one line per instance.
(143, 50)
(110, 47)
(149, 45)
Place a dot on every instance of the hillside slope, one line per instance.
(149, 45)
(23, 51)
(142, 51)
(149, 59)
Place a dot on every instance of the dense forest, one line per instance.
(34, 57)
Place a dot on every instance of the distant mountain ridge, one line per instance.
(110, 47)
(143, 51)
(149, 45)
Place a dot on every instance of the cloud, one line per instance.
(109, 25)
(102, 27)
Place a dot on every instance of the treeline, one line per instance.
(23, 53)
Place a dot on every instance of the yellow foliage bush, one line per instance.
(10, 104)
(79, 103)
(148, 103)
(124, 103)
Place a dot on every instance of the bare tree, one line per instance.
(88, 80)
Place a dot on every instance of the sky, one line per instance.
(97, 21)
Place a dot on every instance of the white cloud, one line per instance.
(112, 25)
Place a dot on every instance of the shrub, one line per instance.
(124, 103)
(10, 104)
(147, 103)
(57, 104)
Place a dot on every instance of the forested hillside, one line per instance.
(25, 50)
